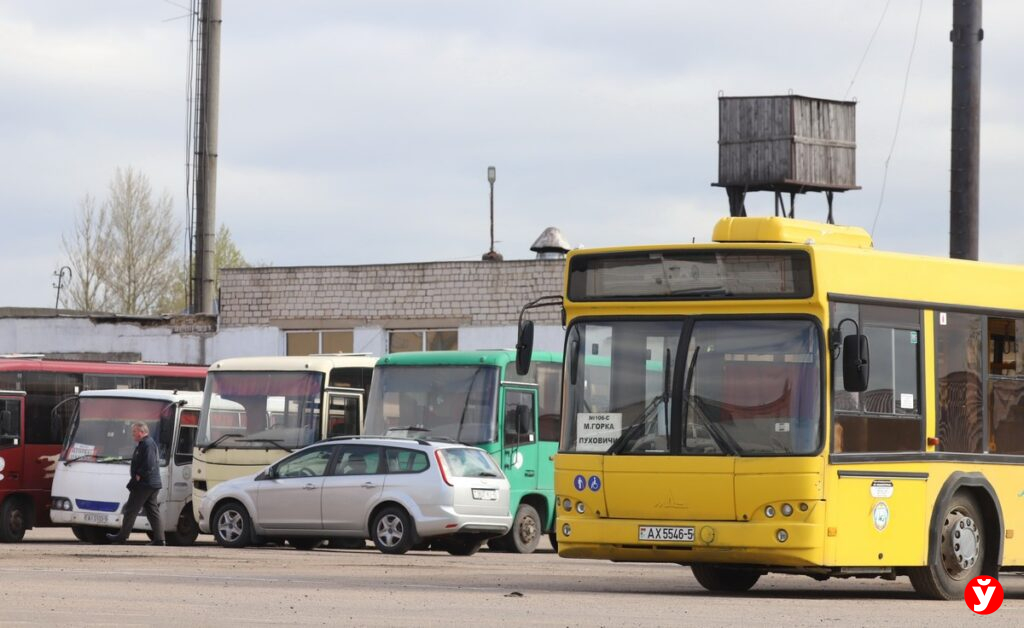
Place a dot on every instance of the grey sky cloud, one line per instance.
(360, 132)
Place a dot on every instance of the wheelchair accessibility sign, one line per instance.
(582, 483)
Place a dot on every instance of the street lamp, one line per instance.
(491, 255)
(59, 274)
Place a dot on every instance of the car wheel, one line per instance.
(392, 531)
(304, 543)
(722, 579)
(13, 521)
(961, 553)
(232, 526)
(187, 530)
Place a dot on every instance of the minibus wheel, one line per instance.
(187, 530)
(724, 579)
(960, 543)
(13, 521)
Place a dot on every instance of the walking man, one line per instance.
(143, 487)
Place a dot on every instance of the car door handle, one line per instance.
(369, 485)
(309, 487)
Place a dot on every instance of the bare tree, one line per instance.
(128, 246)
(86, 250)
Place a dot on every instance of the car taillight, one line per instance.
(441, 465)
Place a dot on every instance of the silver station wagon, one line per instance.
(399, 493)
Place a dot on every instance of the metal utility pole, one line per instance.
(206, 156)
(966, 129)
(491, 255)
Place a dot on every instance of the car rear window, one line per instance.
(406, 460)
(469, 463)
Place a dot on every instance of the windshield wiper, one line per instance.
(650, 411)
(77, 458)
(718, 433)
(272, 441)
(218, 441)
(113, 459)
(406, 428)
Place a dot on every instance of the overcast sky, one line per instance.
(361, 132)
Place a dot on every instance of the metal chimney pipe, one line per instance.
(965, 147)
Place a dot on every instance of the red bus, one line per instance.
(33, 420)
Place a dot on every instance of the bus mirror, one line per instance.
(856, 363)
(524, 347)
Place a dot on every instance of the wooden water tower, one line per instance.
(785, 144)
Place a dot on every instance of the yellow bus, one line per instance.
(259, 409)
(818, 408)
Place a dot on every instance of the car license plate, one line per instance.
(95, 518)
(486, 494)
(678, 534)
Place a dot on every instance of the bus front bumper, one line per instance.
(788, 543)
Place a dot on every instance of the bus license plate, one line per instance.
(94, 518)
(486, 494)
(683, 534)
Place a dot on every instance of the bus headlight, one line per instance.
(567, 504)
(60, 503)
(781, 535)
(566, 529)
(787, 510)
(769, 511)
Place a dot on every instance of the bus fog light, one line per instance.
(566, 529)
(769, 511)
(787, 510)
(567, 504)
(803, 507)
(781, 536)
(580, 508)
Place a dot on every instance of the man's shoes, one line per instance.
(114, 539)
(158, 543)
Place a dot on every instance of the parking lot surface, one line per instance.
(54, 579)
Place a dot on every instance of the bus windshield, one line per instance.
(454, 402)
(723, 387)
(103, 429)
(261, 410)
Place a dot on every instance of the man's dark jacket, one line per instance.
(145, 465)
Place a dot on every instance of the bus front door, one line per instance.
(13, 514)
(344, 414)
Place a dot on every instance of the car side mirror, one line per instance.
(856, 363)
(267, 474)
(524, 347)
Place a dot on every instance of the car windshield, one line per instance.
(442, 402)
(261, 410)
(739, 387)
(469, 463)
(103, 430)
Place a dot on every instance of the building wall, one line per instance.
(433, 294)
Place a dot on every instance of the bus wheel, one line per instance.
(723, 579)
(961, 544)
(13, 521)
(553, 537)
(526, 529)
(187, 530)
(231, 525)
(392, 531)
